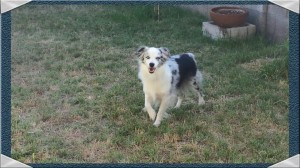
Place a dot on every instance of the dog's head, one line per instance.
(153, 57)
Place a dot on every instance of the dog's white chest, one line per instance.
(157, 84)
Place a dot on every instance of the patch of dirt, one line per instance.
(223, 98)
(96, 151)
(230, 11)
(283, 84)
(74, 135)
(255, 65)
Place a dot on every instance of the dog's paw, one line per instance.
(144, 109)
(201, 102)
(156, 123)
(177, 106)
(152, 115)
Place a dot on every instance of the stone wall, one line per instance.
(270, 20)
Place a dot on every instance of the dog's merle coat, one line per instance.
(164, 76)
(186, 66)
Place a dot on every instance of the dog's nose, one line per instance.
(151, 65)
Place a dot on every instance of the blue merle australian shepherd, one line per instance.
(164, 76)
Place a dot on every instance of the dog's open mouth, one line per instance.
(151, 69)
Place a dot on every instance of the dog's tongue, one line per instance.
(151, 70)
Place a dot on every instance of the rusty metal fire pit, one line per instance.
(228, 17)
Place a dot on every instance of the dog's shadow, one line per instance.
(184, 111)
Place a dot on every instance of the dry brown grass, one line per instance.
(256, 64)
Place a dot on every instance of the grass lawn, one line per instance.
(76, 97)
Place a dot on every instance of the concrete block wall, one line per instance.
(270, 20)
(277, 27)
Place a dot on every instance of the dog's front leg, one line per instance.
(162, 111)
(148, 107)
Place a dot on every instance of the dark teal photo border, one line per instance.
(293, 79)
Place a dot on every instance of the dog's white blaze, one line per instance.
(153, 53)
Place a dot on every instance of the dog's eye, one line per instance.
(148, 57)
(158, 58)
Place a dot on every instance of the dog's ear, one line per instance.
(141, 50)
(165, 51)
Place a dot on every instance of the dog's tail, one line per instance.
(199, 77)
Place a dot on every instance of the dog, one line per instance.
(164, 77)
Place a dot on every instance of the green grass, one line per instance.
(76, 97)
